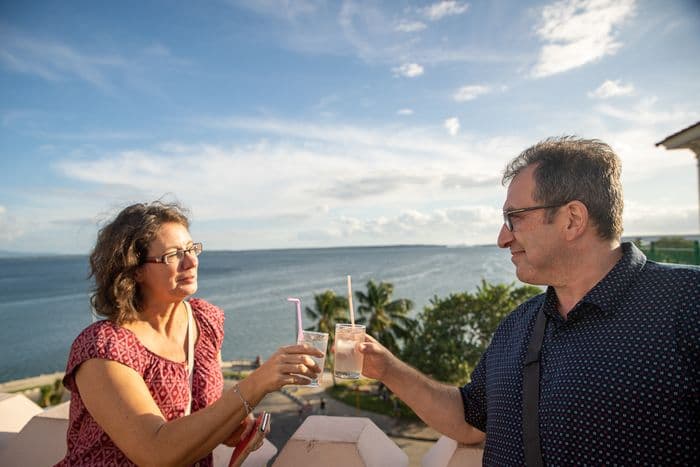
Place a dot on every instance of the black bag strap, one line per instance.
(531, 394)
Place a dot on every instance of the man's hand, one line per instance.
(377, 359)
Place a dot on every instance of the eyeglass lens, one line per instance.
(195, 250)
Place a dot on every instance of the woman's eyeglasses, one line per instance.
(176, 256)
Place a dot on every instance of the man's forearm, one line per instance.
(438, 405)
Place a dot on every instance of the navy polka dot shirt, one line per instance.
(619, 378)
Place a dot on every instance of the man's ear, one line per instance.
(576, 219)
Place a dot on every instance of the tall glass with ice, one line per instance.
(348, 360)
(320, 341)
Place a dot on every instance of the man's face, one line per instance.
(535, 245)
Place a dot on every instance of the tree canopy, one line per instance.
(454, 332)
(387, 319)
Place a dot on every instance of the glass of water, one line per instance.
(320, 341)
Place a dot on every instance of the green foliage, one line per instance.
(456, 330)
(671, 250)
(369, 398)
(234, 374)
(387, 320)
(329, 309)
(51, 394)
(674, 242)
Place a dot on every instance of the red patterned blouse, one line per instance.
(167, 381)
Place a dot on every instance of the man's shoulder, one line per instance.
(679, 274)
(671, 287)
(531, 304)
(525, 311)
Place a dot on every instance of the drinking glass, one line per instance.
(348, 360)
(320, 341)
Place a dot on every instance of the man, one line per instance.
(619, 376)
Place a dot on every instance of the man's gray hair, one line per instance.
(569, 168)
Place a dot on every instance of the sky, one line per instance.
(311, 123)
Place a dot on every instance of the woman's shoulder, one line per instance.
(204, 308)
(102, 332)
(104, 340)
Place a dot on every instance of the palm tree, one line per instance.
(387, 320)
(328, 309)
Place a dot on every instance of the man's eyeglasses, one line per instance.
(509, 222)
(177, 255)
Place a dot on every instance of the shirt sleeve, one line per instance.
(474, 395)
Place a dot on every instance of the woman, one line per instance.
(128, 374)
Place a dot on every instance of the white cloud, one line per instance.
(372, 32)
(439, 10)
(404, 112)
(645, 113)
(9, 227)
(55, 61)
(659, 219)
(281, 8)
(409, 70)
(410, 26)
(468, 93)
(577, 32)
(294, 184)
(463, 182)
(611, 88)
(462, 224)
(452, 125)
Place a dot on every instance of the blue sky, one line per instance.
(284, 124)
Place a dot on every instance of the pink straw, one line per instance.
(352, 313)
(300, 333)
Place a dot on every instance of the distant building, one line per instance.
(688, 138)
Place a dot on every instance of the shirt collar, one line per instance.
(607, 294)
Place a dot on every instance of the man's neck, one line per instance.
(588, 264)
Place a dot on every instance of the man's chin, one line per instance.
(527, 276)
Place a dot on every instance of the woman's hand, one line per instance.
(241, 432)
(259, 444)
(286, 365)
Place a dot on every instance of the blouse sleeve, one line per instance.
(103, 340)
(211, 321)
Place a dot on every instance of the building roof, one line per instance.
(683, 139)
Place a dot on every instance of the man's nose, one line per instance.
(505, 236)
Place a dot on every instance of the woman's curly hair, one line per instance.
(122, 246)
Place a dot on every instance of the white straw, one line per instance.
(352, 312)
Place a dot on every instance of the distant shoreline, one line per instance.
(34, 382)
(625, 238)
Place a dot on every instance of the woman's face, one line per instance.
(173, 281)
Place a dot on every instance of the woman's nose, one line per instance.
(190, 260)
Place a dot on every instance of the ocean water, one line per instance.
(44, 301)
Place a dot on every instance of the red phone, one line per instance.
(245, 445)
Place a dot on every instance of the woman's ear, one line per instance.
(138, 274)
(577, 219)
